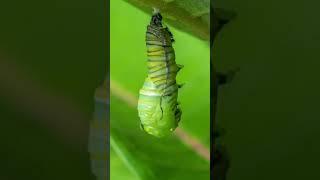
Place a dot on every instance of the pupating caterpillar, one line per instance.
(158, 108)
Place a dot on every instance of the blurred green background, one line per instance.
(270, 110)
(52, 57)
(144, 156)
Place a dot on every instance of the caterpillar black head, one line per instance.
(156, 19)
(156, 27)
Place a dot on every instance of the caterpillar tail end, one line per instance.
(155, 11)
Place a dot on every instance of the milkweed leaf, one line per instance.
(192, 16)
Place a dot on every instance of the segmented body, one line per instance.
(157, 106)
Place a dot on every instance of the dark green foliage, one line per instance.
(52, 57)
(220, 17)
(220, 159)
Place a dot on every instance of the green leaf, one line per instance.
(118, 169)
(192, 16)
(145, 156)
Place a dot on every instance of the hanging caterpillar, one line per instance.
(158, 108)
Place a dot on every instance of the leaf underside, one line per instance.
(191, 16)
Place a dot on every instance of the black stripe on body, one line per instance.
(171, 74)
(162, 45)
(167, 56)
(170, 93)
(161, 58)
(165, 49)
(165, 60)
(169, 52)
(154, 50)
(166, 85)
(169, 90)
(166, 66)
(160, 65)
(162, 82)
(151, 33)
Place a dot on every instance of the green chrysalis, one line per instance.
(158, 108)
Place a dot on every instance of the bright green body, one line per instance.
(157, 106)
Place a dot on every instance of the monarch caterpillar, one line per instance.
(158, 108)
